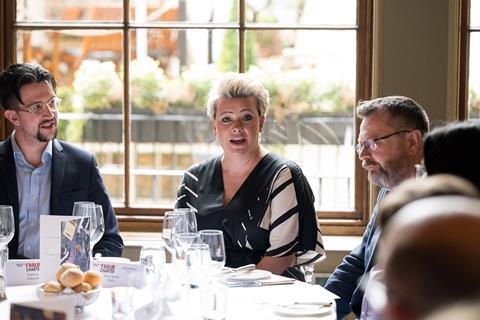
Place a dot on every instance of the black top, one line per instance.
(272, 213)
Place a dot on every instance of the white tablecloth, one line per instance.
(243, 303)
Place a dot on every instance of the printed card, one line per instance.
(62, 239)
(20, 272)
(120, 274)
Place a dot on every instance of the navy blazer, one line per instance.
(75, 177)
(344, 281)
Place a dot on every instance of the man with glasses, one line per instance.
(389, 146)
(40, 174)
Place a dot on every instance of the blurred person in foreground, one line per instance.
(262, 202)
(453, 149)
(462, 311)
(40, 174)
(408, 191)
(428, 254)
(389, 146)
(430, 186)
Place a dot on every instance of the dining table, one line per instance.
(267, 301)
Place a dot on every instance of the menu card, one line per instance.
(63, 239)
(21, 272)
(120, 274)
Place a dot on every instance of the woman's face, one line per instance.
(237, 125)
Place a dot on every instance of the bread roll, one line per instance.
(62, 268)
(82, 287)
(53, 286)
(93, 277)
(71, 277)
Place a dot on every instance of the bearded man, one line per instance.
(389, 146)
(40, 174)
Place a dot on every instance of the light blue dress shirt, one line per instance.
(34, 198)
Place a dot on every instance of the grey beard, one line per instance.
(393, 176)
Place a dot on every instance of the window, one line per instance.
(474, 61)
(134, 83)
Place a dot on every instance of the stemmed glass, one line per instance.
(7, 225)
(77, 205)
(7, 230)
(216, 244)
(99, 227)
(89, 210)
(173, 222)
(191, 218)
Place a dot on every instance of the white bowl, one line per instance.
(81, 299)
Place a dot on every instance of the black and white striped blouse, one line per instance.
(272, 213)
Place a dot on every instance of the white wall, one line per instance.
(415, 53)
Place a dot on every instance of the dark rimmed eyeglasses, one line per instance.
(38, 107)
(371, 144)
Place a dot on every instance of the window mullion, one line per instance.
(126, 99)
(241, 37)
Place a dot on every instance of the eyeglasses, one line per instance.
(371, 144)
(38, 107)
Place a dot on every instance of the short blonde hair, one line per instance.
(237, 85)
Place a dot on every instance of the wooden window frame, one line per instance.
(149, 219)
(466, 31)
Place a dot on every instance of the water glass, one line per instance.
(308, 270)
(153, 258)
(182, 241)
(213, 297)
(122, 303)
(216, 244)
(198, 262)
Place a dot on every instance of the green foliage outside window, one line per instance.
(473, 104)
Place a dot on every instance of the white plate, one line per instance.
(250, 275)
(301, 310)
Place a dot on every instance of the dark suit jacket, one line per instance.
(75, 177)
(344, 281)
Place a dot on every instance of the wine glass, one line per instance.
(216, 244)
(7, 230)
(77, 206)
(173, 222)
(88, 210)
(7, 225)
(191, 218)
(99, 226)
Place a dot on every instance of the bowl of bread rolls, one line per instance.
(70, 280)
